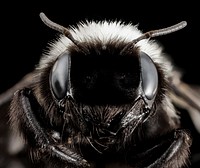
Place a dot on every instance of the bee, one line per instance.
(104, 95)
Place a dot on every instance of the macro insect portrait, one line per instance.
(104, 95)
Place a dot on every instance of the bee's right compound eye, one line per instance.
(60, 76)
(149, 76)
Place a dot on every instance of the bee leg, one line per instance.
(24, 114)
(176, 154)
(170, 151)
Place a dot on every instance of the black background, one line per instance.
(24, 36)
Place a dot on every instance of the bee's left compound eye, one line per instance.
(59, 78)
(149, 76)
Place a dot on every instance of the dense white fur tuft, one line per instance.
(106, 31)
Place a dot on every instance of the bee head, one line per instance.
(117, 72)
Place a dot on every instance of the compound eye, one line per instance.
(149, 76)
(59, 78)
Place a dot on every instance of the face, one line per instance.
(101, 77)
